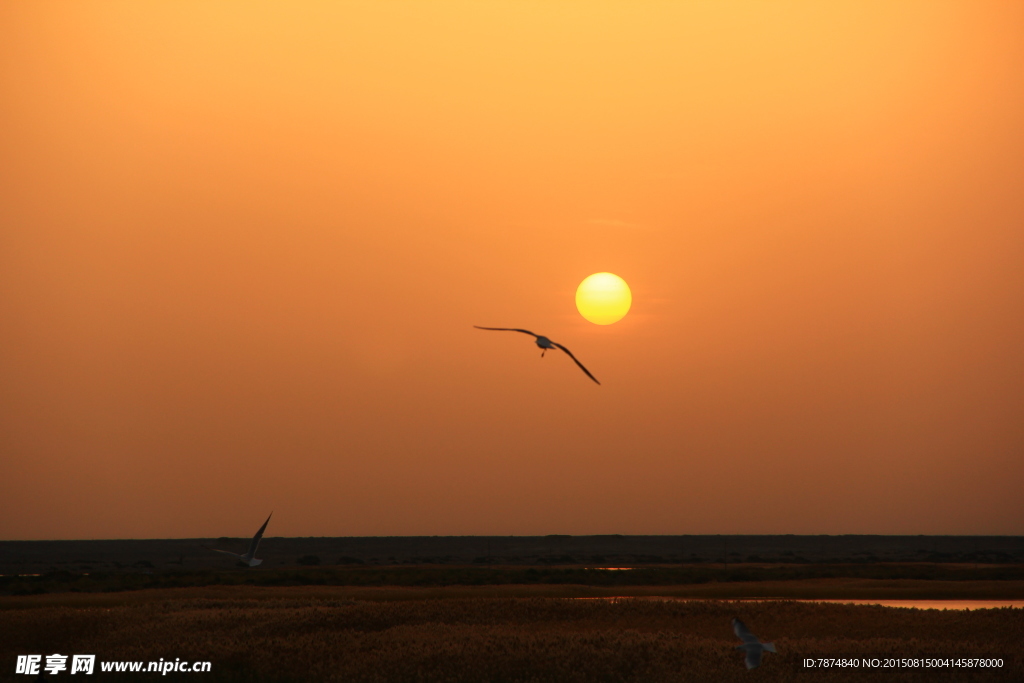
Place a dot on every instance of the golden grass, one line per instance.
(490, 634)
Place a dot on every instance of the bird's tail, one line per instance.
(770, 647)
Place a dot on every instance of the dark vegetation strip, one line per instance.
(63, 581)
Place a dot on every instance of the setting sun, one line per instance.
(603, 298)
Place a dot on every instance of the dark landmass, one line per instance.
(38, 567)
(63, 581)
(158, 555)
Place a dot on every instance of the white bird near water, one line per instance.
(543, 342)
(250, 556)
(751, 644)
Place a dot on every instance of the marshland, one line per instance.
(305, 616)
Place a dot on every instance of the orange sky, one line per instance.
(243, 245)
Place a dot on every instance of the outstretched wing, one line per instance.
(506, 329)
(753, 657)
(743, 633)
(576, 361)
(257, 537)
(226, 552)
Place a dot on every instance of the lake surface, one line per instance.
(907, 604)
(931, 604)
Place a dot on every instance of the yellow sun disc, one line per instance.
(603, 298)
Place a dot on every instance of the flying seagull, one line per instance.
(543, 342)
(250, 556)
(751, 644)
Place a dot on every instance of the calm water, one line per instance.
(908, 604)
(932, 604)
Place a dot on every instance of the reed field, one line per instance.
(487, 634)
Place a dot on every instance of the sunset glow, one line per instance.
(243, 246)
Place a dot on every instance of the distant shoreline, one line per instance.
(34, 557)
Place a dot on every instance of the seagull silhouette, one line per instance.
(250, 556)
(754, 647)
(543, 342)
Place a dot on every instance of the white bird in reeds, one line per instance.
(543, 342)
(751, 644)
(250, 556)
